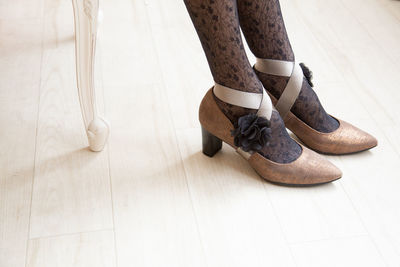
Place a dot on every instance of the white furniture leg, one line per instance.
(85, 14)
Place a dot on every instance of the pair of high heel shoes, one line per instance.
(252, 131)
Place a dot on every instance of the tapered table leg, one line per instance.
(85, 14)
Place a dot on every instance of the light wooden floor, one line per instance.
(151, 198)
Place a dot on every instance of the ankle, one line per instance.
(232, 112)
(307, 106)
(272, 83)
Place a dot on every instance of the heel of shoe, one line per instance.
(211, 143)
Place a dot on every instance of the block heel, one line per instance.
(211, 143)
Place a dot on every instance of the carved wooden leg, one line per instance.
(85, 14)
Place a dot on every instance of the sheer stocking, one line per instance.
(263, 26)
(217, 25)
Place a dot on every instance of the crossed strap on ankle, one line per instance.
(293, 87)
(258, 101)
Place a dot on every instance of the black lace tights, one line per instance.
(217, 25)
(263, 26)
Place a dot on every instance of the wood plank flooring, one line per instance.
(151, 198)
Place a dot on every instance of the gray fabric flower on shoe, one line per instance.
(251, 132)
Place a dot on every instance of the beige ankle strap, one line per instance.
(259, 101)
(293, 87)
(274, 67)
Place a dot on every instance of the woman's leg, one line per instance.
(263, 26)
(217, 25)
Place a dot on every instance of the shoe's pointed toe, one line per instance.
(346, 139)
(354, 139)
(370, 142)
(326, 171)
(316, 168)
(308, 169)
(349, 139)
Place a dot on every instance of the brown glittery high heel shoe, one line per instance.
(251, 132)
(344, 140)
